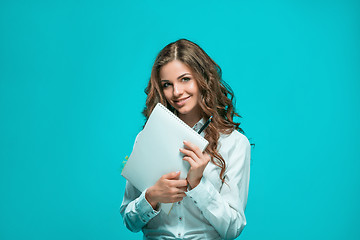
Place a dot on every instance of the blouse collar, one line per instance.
(199, 124)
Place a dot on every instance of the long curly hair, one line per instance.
(217, 98)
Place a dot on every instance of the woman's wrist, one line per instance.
(193, 184)
(149, 198)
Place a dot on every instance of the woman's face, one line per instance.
(180, 88)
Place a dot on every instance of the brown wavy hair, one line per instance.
(216, 96)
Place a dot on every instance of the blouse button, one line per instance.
(195, 202)
(180, 218)
(179, 234)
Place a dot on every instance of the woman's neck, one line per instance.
(190, 119)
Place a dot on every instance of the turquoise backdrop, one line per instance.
(72, 79)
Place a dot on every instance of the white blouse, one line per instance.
(212, 210)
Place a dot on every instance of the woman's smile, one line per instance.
(181, 102)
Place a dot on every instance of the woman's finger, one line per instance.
(190, 153)
(207, 157)
(183, 189)
(181, 194)
(180, 183)
(194, 148)
(177, 199)
(190, 161)
(172, 175)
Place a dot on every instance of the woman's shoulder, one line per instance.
(234, 146)
(234, 138)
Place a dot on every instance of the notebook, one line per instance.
(156, 150)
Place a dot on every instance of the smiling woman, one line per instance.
(211, 201)
(181, 91)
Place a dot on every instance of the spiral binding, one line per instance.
(182, 122)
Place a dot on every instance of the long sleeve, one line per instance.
(135, 209)
(224, 209)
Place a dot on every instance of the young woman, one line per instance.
(211, 201)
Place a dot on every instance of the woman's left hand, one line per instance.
(197, 160)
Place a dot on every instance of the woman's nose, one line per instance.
(178, 90)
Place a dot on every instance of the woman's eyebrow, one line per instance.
(164, 80)
(182, 75)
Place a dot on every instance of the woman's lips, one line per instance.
(181, 102)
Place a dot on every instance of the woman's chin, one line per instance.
(183, 111)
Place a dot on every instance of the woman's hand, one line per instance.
(197, 160)
(168, 189)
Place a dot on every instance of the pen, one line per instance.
(205, 125)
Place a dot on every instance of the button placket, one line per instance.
(180, 219)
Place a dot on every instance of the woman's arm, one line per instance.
(225, 209)
(135, 209)
(138, 208)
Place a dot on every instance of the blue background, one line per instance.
(72, 75)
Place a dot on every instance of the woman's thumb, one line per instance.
(172, 175)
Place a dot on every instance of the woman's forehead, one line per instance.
(173, 70)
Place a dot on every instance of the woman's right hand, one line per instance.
(168, 189)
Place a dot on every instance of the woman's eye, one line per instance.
(185, 79)
(165, 85)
